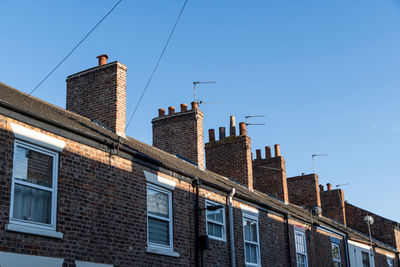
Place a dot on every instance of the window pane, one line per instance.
(365, 259)
(158, 231)
(210, 228)
(32, 204)
(254, 232)
(335, 252)
(210, 215)
(301, 260)
(390, 262)
(251, 253)
(219, 215)
(33, 167)
(336, 264)
(247, 230)
(247, 250)
(218, 230)
(300, 246)
(157, 203)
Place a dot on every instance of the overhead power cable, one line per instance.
(70, 52)
(156, 66)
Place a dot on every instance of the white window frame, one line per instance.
(155, 181)
(248, 217)
(303, 235)
(212, 203)
(169, 219)
(28, 226)
(340, 258)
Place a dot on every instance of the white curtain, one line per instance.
(32, 204)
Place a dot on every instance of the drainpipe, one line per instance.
(196, 184)
(346, 250)
(231, 230)
(288, 239)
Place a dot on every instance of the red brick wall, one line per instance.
(304, 190)
(383, 229)
(333, 205)
(269, 176)
(100, 94)
(381, 256)
(101, 210)
(231, 157)
(102, 214)
(181, 133)
(320, 248)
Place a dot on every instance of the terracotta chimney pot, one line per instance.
(102, 59)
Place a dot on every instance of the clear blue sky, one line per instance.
(324, 73)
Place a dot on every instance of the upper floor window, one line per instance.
(215, 221)
(34, 186)
(301, 249)
(365, 259)
(390, 261)
(337, 262)
(159, 216)
(251, 241)
(33, 202)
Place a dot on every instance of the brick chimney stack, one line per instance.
(231, 156)
(304, 190)
(99, 93)
(269, 174)
(181, 132)
(333, 204)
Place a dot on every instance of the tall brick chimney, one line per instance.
(180, 133)
(304, 190)
(333, 204)
(231, 156)
(269, 174)
(99, 94)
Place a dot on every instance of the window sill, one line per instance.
(217, 238)
(162, 251)
(33, 231)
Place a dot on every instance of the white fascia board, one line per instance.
(8, 259)
(160, 181)
(360, 245)
(37, 138)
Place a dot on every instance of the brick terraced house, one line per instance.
(75, 191)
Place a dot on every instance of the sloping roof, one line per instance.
(18, 101)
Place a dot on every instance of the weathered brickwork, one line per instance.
(320, 246)
(381, 257)
(99, 94)
(269, 176)
(231, 157)
(181, 133)
(101, 210)
(103, 178)
(382, 229)
(304, 190)
(333, 205)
